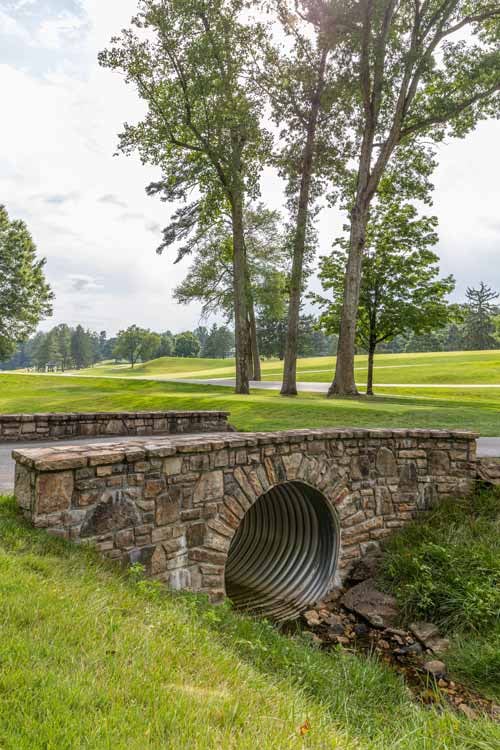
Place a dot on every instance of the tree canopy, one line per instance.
(400, 288)
(189, 61)
(25, 295)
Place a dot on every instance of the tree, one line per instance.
(25, 296)
(81, 348)
(210, 276)
(189, 62)
(219, 342)
(167, 345)
(300, 82)
(149, 346)
(187, 345)
(201, 333)
(47, 350)
(63, 335)
(422, 69)
(479, 327)
(130, 343)
(400, 289)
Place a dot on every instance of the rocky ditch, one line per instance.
(363, 619)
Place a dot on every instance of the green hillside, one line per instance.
(476, 409)
(91, 658)
(422, 368)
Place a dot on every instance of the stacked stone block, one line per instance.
(175, 503)
(18, 427)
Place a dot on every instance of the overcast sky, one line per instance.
(88, 211)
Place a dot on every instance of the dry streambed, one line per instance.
(363, 619)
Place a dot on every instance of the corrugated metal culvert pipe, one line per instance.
(284, 553)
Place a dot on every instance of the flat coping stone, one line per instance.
(57, 458)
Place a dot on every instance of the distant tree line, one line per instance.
(475, 326)
(66, 348)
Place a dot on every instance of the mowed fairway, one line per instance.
(463, 368)
(476, 409)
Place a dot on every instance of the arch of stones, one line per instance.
(175, 503)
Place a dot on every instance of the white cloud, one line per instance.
(57, 171)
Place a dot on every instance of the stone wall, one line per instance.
(174, 504)
(19, 427)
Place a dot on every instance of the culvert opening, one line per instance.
(283, 554)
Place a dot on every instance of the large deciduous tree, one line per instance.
(301, 81)
(424, 69)
(136, 343)
(400, 289)
(188, 60)
(25, 296)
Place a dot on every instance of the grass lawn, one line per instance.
(428, 367)
(445, 568)
(91, 658)
(474, 409)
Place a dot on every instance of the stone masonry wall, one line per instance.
(174, 504)
(17, 427)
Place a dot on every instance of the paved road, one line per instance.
(315, 387)
(486, 447)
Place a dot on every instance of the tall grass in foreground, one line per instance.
(93, 658)
(445, 567)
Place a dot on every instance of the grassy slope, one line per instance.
(91, 659)
(431, 367)
(445, 568)
(264, 410)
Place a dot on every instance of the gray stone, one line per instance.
(117, 512)
(378, 608)
(424, 631)
(386, 462)
(436, 668)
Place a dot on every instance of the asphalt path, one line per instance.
(487, 446)
(315, 387)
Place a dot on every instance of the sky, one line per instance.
(87, 208)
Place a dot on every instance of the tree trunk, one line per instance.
(344, 383)
(289, 385)
(240, 296)
(369, 379)
(254, 344)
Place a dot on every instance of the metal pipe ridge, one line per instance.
(283, 555)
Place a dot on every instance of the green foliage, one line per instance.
(81, 348)
(187, 345)
(400, 289)
(218, 343)
(271, 332)
(25, 296)
(446, 568)
(479, 325)
(136, 343)
(210, 276)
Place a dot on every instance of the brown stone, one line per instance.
(439, 462)
(167, 509)
(378, 608)
(209, 487)
(386, 462)
(23, 490)
(54, 491)
(117, 511)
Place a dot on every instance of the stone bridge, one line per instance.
(272, 520)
